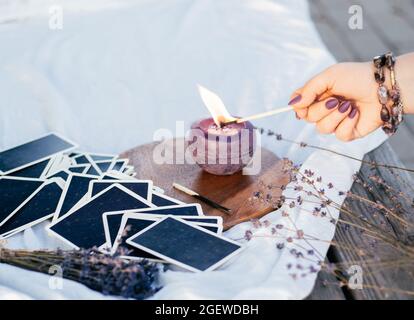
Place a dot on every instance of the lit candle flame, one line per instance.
(215, 106)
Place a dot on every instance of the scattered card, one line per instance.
(93, 170)
(63, 174)
(76, 188)
(102, 157)
(120, 164)
(33, 171)
(33, 152)
(38, 207)
(116, 222)
(184, 244)
(82, 159)
(86, 159)
(13, 192)
(142, 188)
(83, 227)
(192, 209)
(95, 202)
(104, 166)
(121, 234)
(161, 200)
(79, 168)
(112, 222)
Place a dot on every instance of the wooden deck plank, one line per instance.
(364, 43)
(392, 28)
(395, 280)
(329, 30)
(326, 288)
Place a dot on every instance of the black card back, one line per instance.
(77, 188)
(185, 244)
(32, 151)
(33, 171)
(140, 188)
(84, 228)
(13, 192)
(43, 204)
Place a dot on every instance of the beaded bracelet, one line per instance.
(391, 120)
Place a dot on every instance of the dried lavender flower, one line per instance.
(109, 275)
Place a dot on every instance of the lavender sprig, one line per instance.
(109, 275)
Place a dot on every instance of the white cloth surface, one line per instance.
(120, 70)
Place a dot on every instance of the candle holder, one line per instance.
(222, 150)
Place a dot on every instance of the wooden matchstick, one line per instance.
(260, 115)
(195, 195)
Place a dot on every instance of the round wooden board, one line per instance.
(230, 191)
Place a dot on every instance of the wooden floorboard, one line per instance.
(383, 277)
(326, 288)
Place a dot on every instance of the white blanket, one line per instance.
(119, 70)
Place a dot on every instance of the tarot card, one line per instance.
(105, 166)
(112, 222)
(82, 158)
(73, 154)
(109, 176)
(115, 175)
(161, 200)
(60, 162)
(142, 188)
(94, 170)
(63, 174)
(120, 165)
(39, 207)
(184, 244)
(97, 157)
(128, 170)
(79, 168)
(134, 225)
(83, 227)
(116, 234)
(33, 171)
(183, 210)
(75, 189)
(159, 190)
(33, 152)
(192, 211)
(86, 159)
(13, 192)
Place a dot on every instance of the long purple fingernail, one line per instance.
(331, 103)
(295, 100)
(353, 113)
(344, 106)
(297, 117)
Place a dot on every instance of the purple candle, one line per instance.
(222, 150)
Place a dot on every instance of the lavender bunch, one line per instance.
(109, 275)
(315, 197)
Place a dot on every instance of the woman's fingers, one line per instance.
(321, 109)
(329, 123)
(313, 89)
(295, 97)
(346, 131)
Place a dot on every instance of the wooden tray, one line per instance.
(231, 191)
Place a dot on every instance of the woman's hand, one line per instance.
(341, 100)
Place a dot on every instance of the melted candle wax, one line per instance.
(223, 150)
